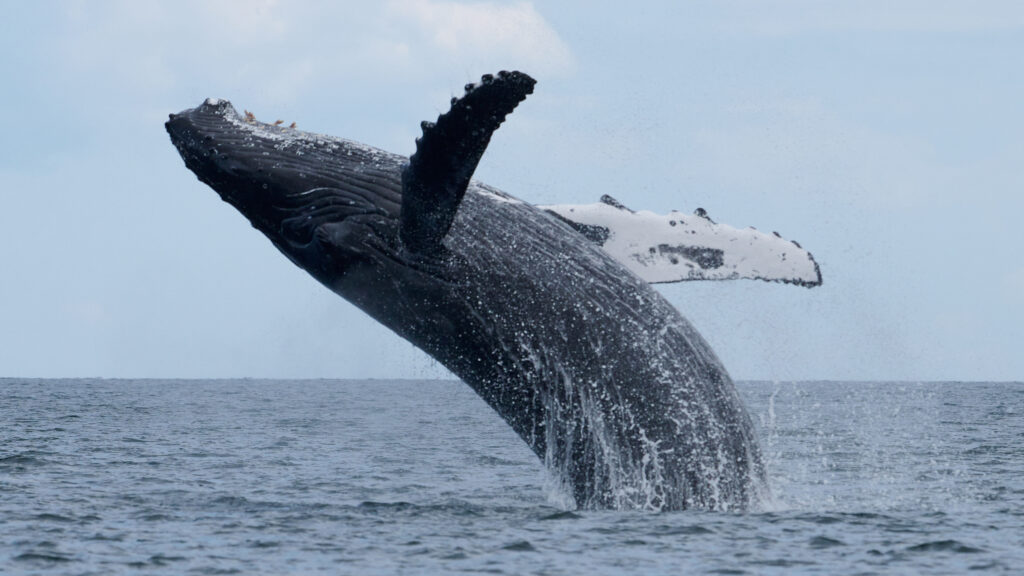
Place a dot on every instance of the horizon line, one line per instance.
(408, 379)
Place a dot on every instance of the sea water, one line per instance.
(411, 477)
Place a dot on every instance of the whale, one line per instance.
(619, 396)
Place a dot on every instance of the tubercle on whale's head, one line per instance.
(204, 140)
(285, 181)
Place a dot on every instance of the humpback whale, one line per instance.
(544, 311)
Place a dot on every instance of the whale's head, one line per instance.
(287, 182)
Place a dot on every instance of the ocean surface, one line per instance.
(411, 477)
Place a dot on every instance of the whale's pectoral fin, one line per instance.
(677, 247)
(435, 180)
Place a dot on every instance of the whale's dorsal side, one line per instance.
(436, 177)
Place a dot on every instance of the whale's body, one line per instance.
(607, 383)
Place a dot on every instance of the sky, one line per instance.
(886, 137)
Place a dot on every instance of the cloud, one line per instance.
(516, 33)
(282, 51)
(786, 17)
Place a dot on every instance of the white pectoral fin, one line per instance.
(675, 247)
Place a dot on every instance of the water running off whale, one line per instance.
(545, 312)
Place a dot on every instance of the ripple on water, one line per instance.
(51, 517)
(685, 530)
(164, 560)
(520, 546)
(819, 542)
(23, 460)
(44, 557)
(561, 515)
(372, 506)
(945, 546)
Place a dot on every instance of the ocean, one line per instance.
(421, 477)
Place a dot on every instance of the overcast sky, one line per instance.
(887, 137)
